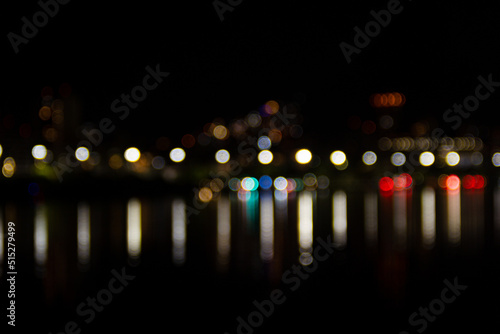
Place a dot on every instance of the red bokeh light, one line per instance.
(452, 182)
(386, 184)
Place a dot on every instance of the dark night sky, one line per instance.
(431, 52)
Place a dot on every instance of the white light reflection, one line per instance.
(223, 230)
(134, 232)
(266, 226)
(339, 218)
(454, 219)
(83, 233)
(178, 231)
(371, 218)
(400, 218)
(428, 217)
(305, 225)
(1, 239)
(41, 236)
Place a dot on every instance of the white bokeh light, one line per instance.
(222, 156)
(265, 157)
(82, 154)
(39, 152)
(369, 158)
(177, 154)
(426, 158)
(132, 154)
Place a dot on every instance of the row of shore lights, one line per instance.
(265, 156)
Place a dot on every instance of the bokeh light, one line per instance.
(303, 156)
(265, 157)
(271, 107)
(9, 167)
(220, 132)
(495, 159)
(386, 184)
(158, 162)
(369, 158)
(39, 152)
(132, 154)
(234, 184)
(452, 158)
(177, 154)
(264, 142)
(426, 158)
(1, 150)
(265, 182)
(338, 158)
(452, 182)
(398, 159)
(280, 183)
(205, 194)
(222, 156)
(249, 183)
(82, 154)
(45, 113)
(115, 161)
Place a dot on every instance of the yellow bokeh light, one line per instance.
(45, 113)
(39, 152)
(303, 156)
(205, 194)
(1, 150)
(220, 132)
(177, 154)
(271, 107)
(132, 154)
(9, 167)
(265, 157)
(115, 161)
(338, 158)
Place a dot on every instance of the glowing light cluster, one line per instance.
(398, 182)
(387, 100)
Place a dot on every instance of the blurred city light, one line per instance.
(132, 154)
(158, 162)
(220, 132)
(452, 182)
(249, 184)
(495, 159)
(452, 158)
(222, 156)
(9, 167)
(82, 154)
(265, 157)
(39, 152)
(205, 194)
(398, 159)
(369, 158)
(280, 183)
(1, 150)
(265, 182)
(426, 158)
(386, 184)
(303, 156)
(264, 143)
(177, 154)
(338, 158)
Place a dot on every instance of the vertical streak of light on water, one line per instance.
(340, 218)
(428, 228)
(178, 231)
(134, 229)
(223, 230)
(371, 218)
(266, 226)
(83, 233)
(454, 219)
(41, 235)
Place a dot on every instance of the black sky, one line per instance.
(432, 52)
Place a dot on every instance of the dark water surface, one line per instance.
(201, 269)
